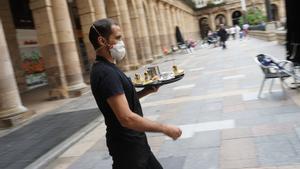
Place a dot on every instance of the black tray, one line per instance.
(160, 82)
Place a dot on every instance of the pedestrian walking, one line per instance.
(232, 32)
(245, 29)
(222, 33)
(237, 31)
(119, 103)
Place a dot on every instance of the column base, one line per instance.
(158, 56)
(124, 68)
(129, 67)
(77, 90)
(19, 116)
(68, 92)
(149, 60)
(134, 66)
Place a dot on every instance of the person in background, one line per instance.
(222, 33)
(232, 32)
(245, 29)
(237, 31)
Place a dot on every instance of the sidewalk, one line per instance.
(56, 126)
(225, 125)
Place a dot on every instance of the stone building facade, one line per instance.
(148, 27)
(211, 13)
(61, 25)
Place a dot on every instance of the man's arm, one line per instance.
(147, 91)
(130, 120)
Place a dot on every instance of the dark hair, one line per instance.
(101, 27)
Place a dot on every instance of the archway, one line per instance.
(204, 27)
(236, 15)
(274, 11)
(220, 19)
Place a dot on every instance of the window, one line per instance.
(200, 3)
(218, 1)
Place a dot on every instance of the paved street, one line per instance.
(225, 125)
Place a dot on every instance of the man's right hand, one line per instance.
(172, 131)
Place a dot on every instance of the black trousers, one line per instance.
(223, 44)
(138, 162)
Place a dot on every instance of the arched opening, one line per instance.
(220, 19)
(21, 14)
(236, 15)
(204, 27)
(274, 11)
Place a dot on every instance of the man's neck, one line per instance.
(106, 55)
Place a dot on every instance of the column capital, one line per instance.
(173, 9)
(85, 7)
(37, 4)
(167, 6)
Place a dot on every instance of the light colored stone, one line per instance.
(12, 112)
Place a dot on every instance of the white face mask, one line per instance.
(118, 51)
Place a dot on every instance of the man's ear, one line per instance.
(101, 41)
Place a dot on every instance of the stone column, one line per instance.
(178, 18)
(135, 24)
(175, 23)
(185, 26)
(211, 22)
(128, 34)
(99, 7)
(168, 16)
(281, 10)
(86, 13)
(179, 21)
(90, 11)
(197, 28)
(13, 47)
(67, 46)
(145, 39)
(56, 38)
(229, 18)
(12, 111)
(182, 16)
(46, 35)
(154, 37)
(163, 26)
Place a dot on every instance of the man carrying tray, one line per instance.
(119, 103)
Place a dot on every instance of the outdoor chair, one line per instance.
(274, 69)
(183, 47)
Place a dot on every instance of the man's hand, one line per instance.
(151, 89)
(147, 90)
(172, 131)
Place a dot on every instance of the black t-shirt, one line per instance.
(108, 80)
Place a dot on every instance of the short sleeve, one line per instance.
(111, 85)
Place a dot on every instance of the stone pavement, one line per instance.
(56, 125)
(225, 125)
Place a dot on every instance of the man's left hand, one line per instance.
(151, 89)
